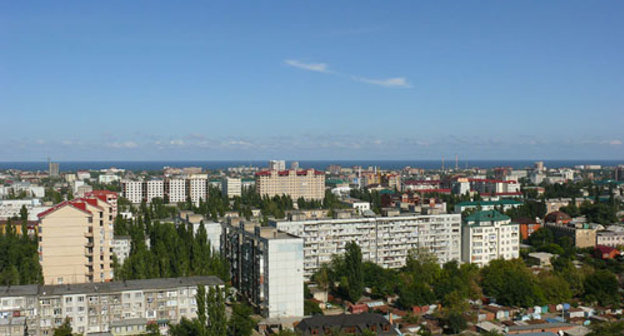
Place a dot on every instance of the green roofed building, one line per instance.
(489, 235)
(504, 204)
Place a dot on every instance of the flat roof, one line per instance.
(108, 287)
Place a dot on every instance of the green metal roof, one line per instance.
(482, 203)
(486, 216)
(334, 181)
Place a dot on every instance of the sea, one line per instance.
(317, 164)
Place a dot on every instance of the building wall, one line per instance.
(285, 277)
(490, 241)
(231, 187)
(63, 246)
(308, 184)
(383, 240)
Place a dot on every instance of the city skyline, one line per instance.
(233, 81)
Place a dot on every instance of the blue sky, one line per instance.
(145, 80)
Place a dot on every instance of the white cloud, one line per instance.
(127, 144)
(398, 82)
(318, 67)
(176, 142)
(615, 142)
(395, 82)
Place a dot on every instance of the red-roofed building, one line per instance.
(605, 252)
(75, 240)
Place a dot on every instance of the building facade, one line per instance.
(309, 184)
(94, 308)
(266, 266)
(231, 187)
(75, 241)
(385, 241)
(489, 235)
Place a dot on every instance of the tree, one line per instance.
(153, 329)
(602, 287)
(555, 288)
(241, 323)
(607, 329)
(24, 213)
(311, 308)
(216, 313)
(64, 329)
(511, 283)
(455, 322)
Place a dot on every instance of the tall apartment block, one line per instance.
(176, 189)
(266, 266)
(385, 241)
(277, 165)
(231, 187)
(53, 169)
(75, 240)
(489, 235)
(118, 308)
(309, 184)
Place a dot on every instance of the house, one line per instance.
(350, 324)
(605, 252)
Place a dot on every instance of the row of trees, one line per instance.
(19, 260)
(172, 252)
(211, 318)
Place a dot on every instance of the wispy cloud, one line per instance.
(398, 82)
(394, 82)
(318, 67)
(126, 144)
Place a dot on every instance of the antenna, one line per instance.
(442, 162)
(456, 162)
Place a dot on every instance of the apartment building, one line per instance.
(175, 189)
(231, 187)
(121, 308)
(489, 235)
(266, 266)
(581, 234)
(277, 165)
(75, 241)
(503, 204)
(309, 184)
(154, 189)
(198, 189)
(385, 241)
(611, 238)
(133, 191)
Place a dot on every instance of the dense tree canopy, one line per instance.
(19, 258)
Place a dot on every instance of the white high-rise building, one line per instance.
(231, 186)
(198, 189)
(489, 235)
(133, 191)
(176, 190)
(277, 165)
(266, 267)
(154, 189)
(385, 241)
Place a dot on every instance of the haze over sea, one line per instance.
(317, 164)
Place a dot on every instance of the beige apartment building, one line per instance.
(75, 241)
(309, 184)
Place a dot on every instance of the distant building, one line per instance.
(501, 205)
(610, 238)
(266, 266)
(581, 234)
(197, 189)
(231, 187)
(489, 235)
(53, 169)
(277, 165)
(120, 246)
(309, 184)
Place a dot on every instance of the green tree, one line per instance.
(241, 323)
(64, 329)
(511, 283)
(607, 329)
(602, 287)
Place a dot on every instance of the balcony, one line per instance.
(89, 234)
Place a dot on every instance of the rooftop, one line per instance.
(486, 216)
